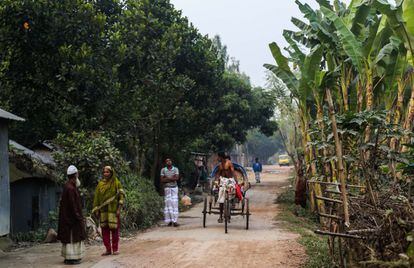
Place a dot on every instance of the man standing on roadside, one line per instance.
(257, 168)
(71, 226)
(170, 176)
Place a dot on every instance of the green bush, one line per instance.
(89, 152)
(143, 206)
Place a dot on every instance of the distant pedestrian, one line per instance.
(169, 177)
(71, 225)
(107, 205)
(257, 168)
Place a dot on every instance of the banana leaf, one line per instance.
(309, 70)
(287, 77)
(298, 55)
(351, 46)
(359, 18)
(408, 15)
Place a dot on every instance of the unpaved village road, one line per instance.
(265, 244)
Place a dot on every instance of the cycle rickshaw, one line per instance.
(233, 205)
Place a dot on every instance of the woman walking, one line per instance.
(107, 203)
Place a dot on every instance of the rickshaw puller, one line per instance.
(224, 174)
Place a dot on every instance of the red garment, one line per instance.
(239, 194)
(106, 233)
(300, 192)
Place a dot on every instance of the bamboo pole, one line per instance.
(338, 184)
(338, 234)
(330, 216)
(361, 231)
(328, 199)
(338, 149)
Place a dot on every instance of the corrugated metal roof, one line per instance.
(45, 159)
(9, 116)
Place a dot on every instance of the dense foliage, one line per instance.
(143, 206)
(352, 88)
(89, 152)
(136, 70)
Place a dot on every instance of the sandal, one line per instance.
(106, 253)
(115, 253)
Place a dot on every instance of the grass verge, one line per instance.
(303, 223)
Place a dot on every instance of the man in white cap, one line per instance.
(71, 226)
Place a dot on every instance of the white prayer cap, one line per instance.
(71, 170)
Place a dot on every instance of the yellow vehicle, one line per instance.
(284, 160)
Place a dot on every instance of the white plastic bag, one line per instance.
(186, 200)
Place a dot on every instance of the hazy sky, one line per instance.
(245, 26)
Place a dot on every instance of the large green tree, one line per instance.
(137, 70)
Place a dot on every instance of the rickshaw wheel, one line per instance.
(247, 213)
(205, 212)
(226, 213)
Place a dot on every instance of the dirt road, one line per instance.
(265, 244)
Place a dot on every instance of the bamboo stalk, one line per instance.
(332, 192)
(330, 216)
(328, 199)
(361, 231)
(338, 149)
(336, 183)
(338, 234)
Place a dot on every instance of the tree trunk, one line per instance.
(321, 124)
(369, 103)
(369, 92)
(307, 156)
(408, 124)
(360, 97)
(316, 187)
(156, 155)
(345, 81)
(394, 143)
(142, 163)
(338, 149)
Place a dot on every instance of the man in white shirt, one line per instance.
(169, 176)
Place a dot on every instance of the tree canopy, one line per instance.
(136, 70)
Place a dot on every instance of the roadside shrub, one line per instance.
(89, 152)
(143, 206)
